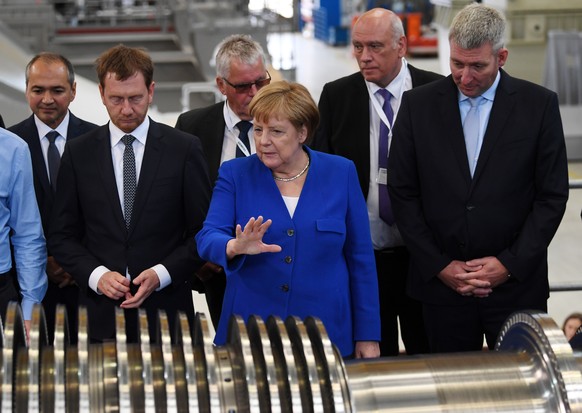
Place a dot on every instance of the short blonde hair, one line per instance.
(288, 100)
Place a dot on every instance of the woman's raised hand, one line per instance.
(249, 240)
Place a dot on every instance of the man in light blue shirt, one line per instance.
(20, 225)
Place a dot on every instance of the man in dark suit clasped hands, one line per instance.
(479, 184)
(357, 114)
(131, 196)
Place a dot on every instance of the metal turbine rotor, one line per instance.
(277, 366)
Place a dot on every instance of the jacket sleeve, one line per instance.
(66, 229)
(219, 226)
(551, 195)
(359, 254)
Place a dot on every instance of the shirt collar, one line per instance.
(230, 118)
(140, 133)
(43, 128)
(489, 94)
(395, 86)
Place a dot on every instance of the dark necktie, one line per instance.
(471, 131)
(385, 206)
(129, 178)
(54, 158)
(243, 135)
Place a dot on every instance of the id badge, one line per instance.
(382, 176)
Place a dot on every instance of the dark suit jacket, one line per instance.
(510, 209)
(1, 122)
(171, 202)
(208, 125)
(44, 193)
(344, 128)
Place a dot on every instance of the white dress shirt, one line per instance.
(383, 235)
(484, 109)
(231, 135)
(60, 141)
(117, 147)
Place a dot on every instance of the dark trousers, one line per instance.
(396, 305)
(8, 292)
(214, 293)
(461, 328)
(67, 296)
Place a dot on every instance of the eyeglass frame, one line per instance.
(242, 88)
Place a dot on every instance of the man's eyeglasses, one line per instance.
(245, 87)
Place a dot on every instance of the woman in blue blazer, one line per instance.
(290, 227)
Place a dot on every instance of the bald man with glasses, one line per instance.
(225, 130)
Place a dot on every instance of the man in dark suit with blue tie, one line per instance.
(225, 129)
(50, 88)
(479, 185)
(354, 125)
(131, 196)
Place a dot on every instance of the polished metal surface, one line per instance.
(277, 366)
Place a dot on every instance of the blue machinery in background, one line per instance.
(331, 22)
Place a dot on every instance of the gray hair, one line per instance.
(397, 29)
(476, 25)
(237, 46)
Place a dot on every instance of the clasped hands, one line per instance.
(116, 286)
(249, 240)
(476, 277)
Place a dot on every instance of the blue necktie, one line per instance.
(471, 128)
(129, 178)
(243, 135)
(385, 206)
(53, 158)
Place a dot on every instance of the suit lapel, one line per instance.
(105, 165)
(360, 139)
(215, 126)
(37, 156)
(414, 76)
(73, 128)
(452, 126)
(500, 113)
(149, 166)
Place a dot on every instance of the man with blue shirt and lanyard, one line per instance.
(21, 227)
(478, 180)
(357, 114)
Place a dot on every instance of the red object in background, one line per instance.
(419, 43)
